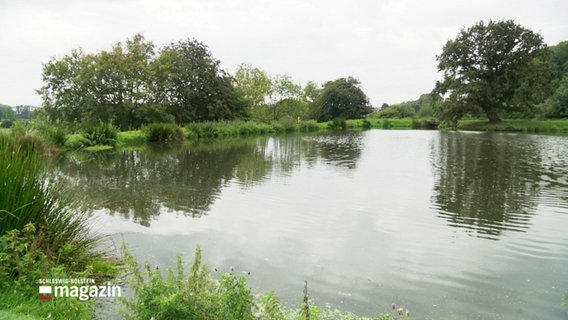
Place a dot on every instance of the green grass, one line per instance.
(518, 125)
(41, 236)
(14, 316)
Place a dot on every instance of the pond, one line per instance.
(451, 225)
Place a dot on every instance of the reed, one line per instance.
(29, 195)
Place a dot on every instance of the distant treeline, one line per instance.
(134, 84)
(492, 70)
(10, 114)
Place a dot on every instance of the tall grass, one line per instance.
(29, 195)
(163, 132)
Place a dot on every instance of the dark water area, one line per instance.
(451, 225)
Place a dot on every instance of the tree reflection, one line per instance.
(342, 149)
(140, 184)
(485, 182)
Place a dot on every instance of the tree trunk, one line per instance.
(492, 115)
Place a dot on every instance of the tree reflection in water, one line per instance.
(139, 185)
(484, 182)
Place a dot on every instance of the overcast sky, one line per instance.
(389, 45)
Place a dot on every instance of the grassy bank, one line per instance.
(105, 136)
(547, 126)
(41, 236)
(221, 130)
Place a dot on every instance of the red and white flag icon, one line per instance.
(43, 290)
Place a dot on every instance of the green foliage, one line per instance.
(23, 262)
(518, 125)
(337, 124)
(27, 195)
(557, 104)
(342, 98)
(494, 67)
(187, 296)
(309, 126)
(254, 88)
(163, 132)
(403, 110)
(6, 124)
(131, 85)
(194, 87)
(100, 134)
(7, 113)
(55, 135)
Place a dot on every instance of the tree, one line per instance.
(556, 106)
(132, 85)
(194, 87)
(341, 98)
(254, 88)
(6, 112)
(494, 67)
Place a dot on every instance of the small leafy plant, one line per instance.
(100, 134)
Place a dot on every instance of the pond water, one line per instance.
(451, 225)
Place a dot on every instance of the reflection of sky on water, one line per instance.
(367, 235)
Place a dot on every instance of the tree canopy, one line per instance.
(267, 98)
(492, 67)
(341, 98)
(132, 84)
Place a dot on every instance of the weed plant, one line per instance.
(163, 132)
(100, 134)
(337, 124)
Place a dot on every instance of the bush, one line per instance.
(55, 135)
(337, 124)
(163, 132)
(386, 124)
(100, 134)
(6, 124)
(187, 296)
(288, 124)
(309, 126)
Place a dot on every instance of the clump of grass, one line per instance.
(163, 132)
(100, 134)
(29, 195)
(40, 235)
(55, 135)
(337, 124)
(309, 126)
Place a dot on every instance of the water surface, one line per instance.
(451, 225)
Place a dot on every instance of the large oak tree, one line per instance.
(492, 67)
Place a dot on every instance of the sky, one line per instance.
(389, 45)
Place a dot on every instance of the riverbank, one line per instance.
(544, 126)
(237, 129)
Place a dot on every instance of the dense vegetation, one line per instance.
(41, 236)
(133, 84)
